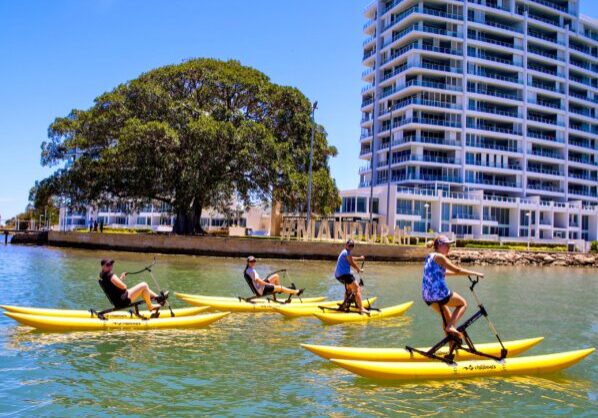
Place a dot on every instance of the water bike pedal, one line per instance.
(161, 298)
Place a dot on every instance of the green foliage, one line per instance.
(594, 247)
(193, 135)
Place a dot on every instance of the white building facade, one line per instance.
(480, 118)
(158, 217)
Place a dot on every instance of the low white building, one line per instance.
(157, 217)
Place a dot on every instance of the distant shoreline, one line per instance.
(273, 248)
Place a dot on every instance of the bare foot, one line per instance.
(454, 331)
(154, 307)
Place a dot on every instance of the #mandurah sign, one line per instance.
(297, 228)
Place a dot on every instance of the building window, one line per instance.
(348, 205)
(361, 203)
(144, 220)
(404, 207)
(375, 205)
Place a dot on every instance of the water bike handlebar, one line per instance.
(473, 280)
(146, 268)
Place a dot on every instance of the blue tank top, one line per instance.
(434, 286)
(342, 264)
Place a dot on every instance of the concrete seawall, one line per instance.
(229, 246)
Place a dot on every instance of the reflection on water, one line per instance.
(251, 364)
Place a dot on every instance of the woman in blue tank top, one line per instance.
(435, 291)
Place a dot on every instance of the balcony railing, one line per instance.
(545, 103)
(424, 47)
(430, 121)
(544, 137)
(583, 160)
(367, 102)
(540, 35)
(505, 166)
(547, 154)
(543, 19)
(580, 192)
(368, 54)
(481, 90)
(544, 120)
(422, 28)
(538, 51)
(543, 170)
(503, 183)
(545, 187)
(496, 25)
(483, 55)
(583, 144)
(427, 140)
(493, 128)
(482, 38)
(496, 76)
(494, 111)
(551, 4)
(491, 146)
(545, 70)
(583, 176)
(584, 112)
(545, 86)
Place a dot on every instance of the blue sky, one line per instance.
(59, 55)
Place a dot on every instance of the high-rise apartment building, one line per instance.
(480, 118)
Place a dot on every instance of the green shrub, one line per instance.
(594, 247)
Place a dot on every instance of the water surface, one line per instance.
(251, 364)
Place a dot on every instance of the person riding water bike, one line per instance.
(435, 291)
(343, 274)
(270, 285)
(118, 292)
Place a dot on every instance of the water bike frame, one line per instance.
(349, 299)
(256, 295)
(161, 299)
(455, 343)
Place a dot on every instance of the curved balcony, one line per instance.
(430, 121)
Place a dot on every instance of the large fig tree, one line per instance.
(194, 135)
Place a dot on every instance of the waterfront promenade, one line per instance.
(285, 249)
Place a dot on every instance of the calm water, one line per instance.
(250, 364)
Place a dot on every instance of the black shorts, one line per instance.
(268, 290)
(126, 302)
(442, 301)
(346, 279)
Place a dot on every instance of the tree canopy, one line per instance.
(194, 135)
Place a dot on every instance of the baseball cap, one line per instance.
(443, 239)
(106, 262)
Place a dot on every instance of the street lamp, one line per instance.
(311, 158)
(427, 206)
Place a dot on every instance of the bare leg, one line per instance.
(460, 304)
(274, 280)
(357, 291)
(282, 289)
(143, 290)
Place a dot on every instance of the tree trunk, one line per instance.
(188, 222)
(275, 218)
